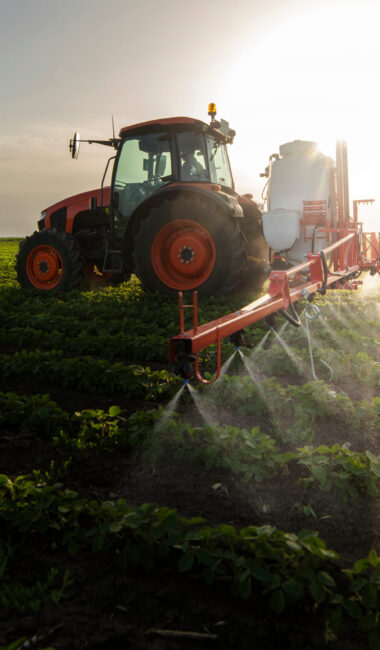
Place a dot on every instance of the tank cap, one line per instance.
(298, 147)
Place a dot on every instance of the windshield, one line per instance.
(144, 164)
(192, 156)
(218, 162)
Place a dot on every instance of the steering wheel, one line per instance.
(143, 190)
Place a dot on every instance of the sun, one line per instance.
(313, 74)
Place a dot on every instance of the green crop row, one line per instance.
(248, 454)
(286, 568)
(39, 415)
(86, 373)
(295, 361)
(254, 454)
(293, 413)
(109, 346)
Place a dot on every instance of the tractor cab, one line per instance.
(156, 154)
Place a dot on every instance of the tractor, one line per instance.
(171, 216)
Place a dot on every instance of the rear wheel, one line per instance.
(50, 260)
(188, 244)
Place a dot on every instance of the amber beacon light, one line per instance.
(212, 110)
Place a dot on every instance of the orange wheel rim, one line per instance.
(44, 267)
(183, 255)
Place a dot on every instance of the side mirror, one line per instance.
(74, 146)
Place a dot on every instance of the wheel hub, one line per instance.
(44, 267)
(183, 254)
(186, 255)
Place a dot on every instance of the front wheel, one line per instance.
(50, 260)
(188, 243)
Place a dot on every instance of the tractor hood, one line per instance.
(79, 198)
(61, 215)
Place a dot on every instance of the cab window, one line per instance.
(192, 157)
(144, 164)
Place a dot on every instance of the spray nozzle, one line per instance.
(271, 321)
(183, 361)
(237, 338)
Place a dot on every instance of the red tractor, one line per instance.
(171, 216)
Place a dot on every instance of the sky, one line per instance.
(277, 70)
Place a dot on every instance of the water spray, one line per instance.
(312, 312)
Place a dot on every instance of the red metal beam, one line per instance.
(280, 296)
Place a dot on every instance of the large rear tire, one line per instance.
(50, 260)
(187, 244)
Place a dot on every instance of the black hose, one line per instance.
(325, 272)
(294, 319)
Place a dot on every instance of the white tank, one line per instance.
(300, 173)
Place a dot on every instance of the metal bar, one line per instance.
(279, 296)
(339, 183)
(340, 242)
(195, 311)
(345, 184)
(218, 363)
(181, 313)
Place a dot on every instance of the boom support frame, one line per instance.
(336, 266)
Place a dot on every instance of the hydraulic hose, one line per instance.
(292, 318)
(325, 272)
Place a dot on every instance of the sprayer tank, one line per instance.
(300, 173)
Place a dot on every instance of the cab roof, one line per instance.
(164, 123)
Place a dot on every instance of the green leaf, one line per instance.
(204, 557)
(326, 579)
(372, 558)
(293, 590)
(352, 608)
(193, 536)
(360, 565)
(375, 577)
(114, 410)
(320, 473)
(317, 591)
(185, 562)
(358, 584)
(174, 537)
(265, 530)
(275, 582)
(259, 571)
(245, 588)
(226, 529)
(277, 601)
(369, 595)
